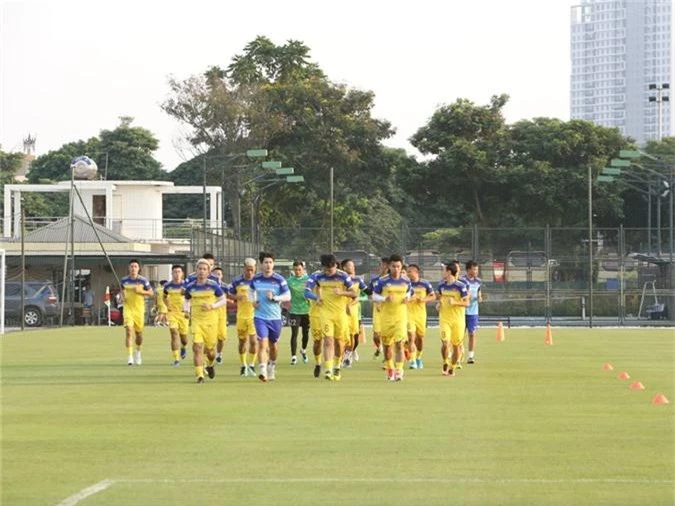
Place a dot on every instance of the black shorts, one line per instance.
(298, 320)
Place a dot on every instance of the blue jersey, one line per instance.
(473, 285)
(276, 283)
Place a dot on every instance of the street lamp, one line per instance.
(251, 154)
(255, 201)
(664, 188)
(659, 99)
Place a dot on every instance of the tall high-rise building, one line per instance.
(621, 54)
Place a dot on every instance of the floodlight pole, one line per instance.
(590, 246)
(332, 211)
(23, 267)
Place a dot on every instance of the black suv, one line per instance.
(40, 302)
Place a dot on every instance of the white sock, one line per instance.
(263, 369)
(348, 354)
(471, 354)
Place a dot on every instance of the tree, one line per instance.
(468, 143)
(10, 163)
(548, 172)
(126, 150)
(273, 97)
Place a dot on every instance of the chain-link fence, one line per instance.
(530, 274)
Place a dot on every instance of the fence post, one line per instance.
(622, 274)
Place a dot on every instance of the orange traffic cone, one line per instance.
(548, 339)
(607, 367)
(660, 399)
(623, 376)
(500, 333)
(636, 385)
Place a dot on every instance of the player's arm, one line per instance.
(161, 303)
(282, 297)
(220, 302)
(480, 294)
(186, 305)
(464, 301)
(145, 290)
(378, 295)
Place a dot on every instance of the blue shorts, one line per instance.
(471, 323)
(267, 329)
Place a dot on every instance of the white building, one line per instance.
(130, 208)
(618, 49)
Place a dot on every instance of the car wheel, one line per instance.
(32, 317)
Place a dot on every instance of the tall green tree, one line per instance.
(274, 97)
(125, 153)
(468, 145)
(548, 173)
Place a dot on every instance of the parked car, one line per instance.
(40, 302)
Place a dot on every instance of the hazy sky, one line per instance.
(70, 69)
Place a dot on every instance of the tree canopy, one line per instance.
(124, 153)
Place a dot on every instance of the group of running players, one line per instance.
(325, 304)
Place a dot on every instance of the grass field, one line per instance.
(527, 424)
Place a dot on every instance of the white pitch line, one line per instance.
(398, 480)
(102, 485)
(86, 492)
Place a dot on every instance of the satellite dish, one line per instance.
(83, 167)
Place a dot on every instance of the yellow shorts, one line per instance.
(417, 325)
(134, 320)
(394, 332)
(245, 328)
(336, 327)
(222, 324)
(377, 319)
(178, 321)
(205, 333)
(452, 331)
(315, 326)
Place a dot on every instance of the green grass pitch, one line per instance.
(527, 424)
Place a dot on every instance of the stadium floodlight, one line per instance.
(616, 162)
(629, 153)
(271, 164)
(256, 153)
(284, 171)
(605, 179)
(295, 179)
(611, 171)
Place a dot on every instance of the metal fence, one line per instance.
(530, 275)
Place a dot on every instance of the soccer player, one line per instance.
(134, 289)
(178, 325)
(316, 328)
(269, 290)
(453, 299)
(475, 285)
(458, 278)
(353, 311)
(239, 290)
(377, 342)
(299, 315)
(393, 292)
(202, 297)
(334, 287)
(160, 317)
(212, 261)
(422, 293)
(222, 316)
